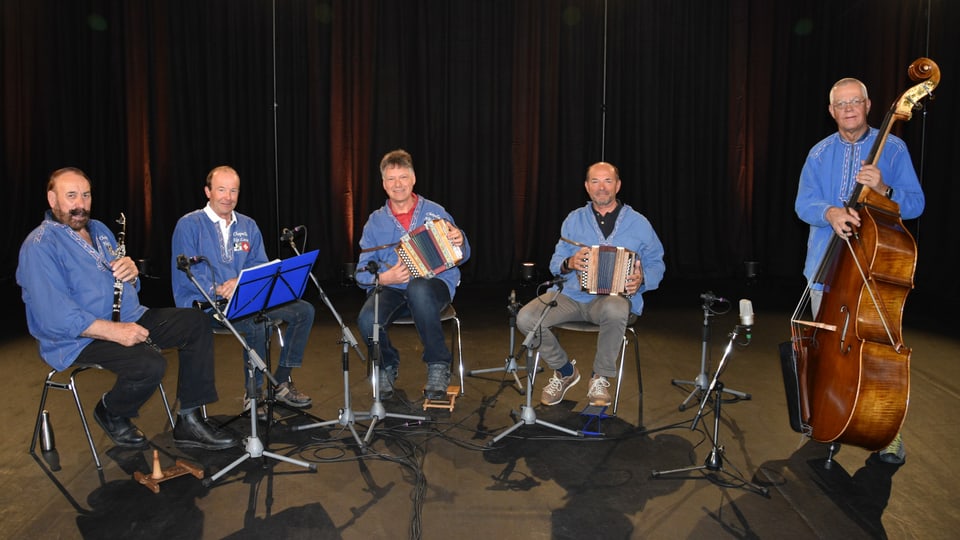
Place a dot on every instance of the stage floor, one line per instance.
(460, 474)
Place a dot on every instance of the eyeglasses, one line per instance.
(855, 102)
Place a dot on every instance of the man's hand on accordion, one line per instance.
(397, 274)
(634, 280)
(454, 234)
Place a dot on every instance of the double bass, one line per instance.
(850, 380)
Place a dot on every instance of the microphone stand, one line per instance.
(347, 417)
(714, 460)
(346, 336)
(510, 364)
(377, 411)
(528, 416)
(253, 446)
(699, 383)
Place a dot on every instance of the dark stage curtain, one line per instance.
(708, 108)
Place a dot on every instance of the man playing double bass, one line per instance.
(830, 173)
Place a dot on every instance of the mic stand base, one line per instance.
(701, 382)
(510, 364)
(528, 416)
(714, 460)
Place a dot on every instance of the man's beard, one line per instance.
(76, 219)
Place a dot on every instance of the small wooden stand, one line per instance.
(158, 475)
(452, 393)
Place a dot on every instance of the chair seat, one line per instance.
(584, 326)
(448, 314)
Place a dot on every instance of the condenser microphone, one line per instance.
(184, 262)
(746, 317)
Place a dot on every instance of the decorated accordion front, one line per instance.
(608, 270)
(427, 251)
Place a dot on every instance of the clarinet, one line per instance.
(121, 252)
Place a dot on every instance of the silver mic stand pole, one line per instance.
(253, 445)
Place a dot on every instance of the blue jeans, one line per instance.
(424, 300)
(299, 318)
(140, 368)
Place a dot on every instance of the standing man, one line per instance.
(833, 167)
(603, 221)
(229, 242)
(68, 269)
(402, 295)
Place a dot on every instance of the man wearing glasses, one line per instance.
(833, 168)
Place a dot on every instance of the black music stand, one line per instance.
(258, 290)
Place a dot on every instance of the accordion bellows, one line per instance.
(608, 270)
(427, 251)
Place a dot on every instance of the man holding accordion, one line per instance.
(409, 226)
(607, 257)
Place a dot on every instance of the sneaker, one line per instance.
(894, 453)
(288, 393)
(557, 386)
(261, 408)
(388, 376)
(438, 379)
(598, 394)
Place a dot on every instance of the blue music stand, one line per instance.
(264, 287)
(258, 290)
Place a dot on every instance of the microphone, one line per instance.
(709, 297)
(746, 317)
(557, 280)
(184, 262)
(372, 267)
(288, 234)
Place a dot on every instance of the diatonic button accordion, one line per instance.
(607, 271)
(426, 250)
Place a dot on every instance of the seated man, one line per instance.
(402, 294)
(72, 281)
(229, 242)
(603, 221)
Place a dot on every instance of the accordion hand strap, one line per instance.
(378, 248)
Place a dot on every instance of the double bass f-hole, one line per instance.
(844, 348)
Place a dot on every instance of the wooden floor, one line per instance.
(464, 474)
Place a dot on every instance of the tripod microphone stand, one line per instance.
(377, 411)
(527, 415)
(701, 381)
(347, 416)
(714, 460)
(510, 364)
(254, 446)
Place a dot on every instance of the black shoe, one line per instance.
(193, 431)
(120, 430)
